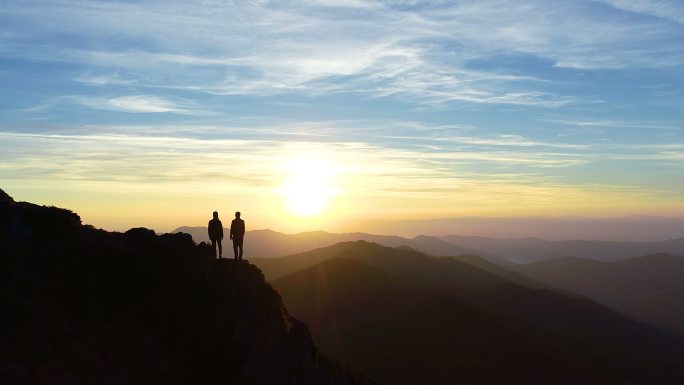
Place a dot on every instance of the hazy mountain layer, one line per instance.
(649, 288)
(527, 250)
(409, 318)
(626, 228)
(404, 262)
(504, 252)
(269, 244)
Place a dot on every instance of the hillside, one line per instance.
(409, 318)
(86, 306)
(507, 273)
(403, 262)
(649, 288)
(388, 329)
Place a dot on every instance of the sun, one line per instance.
(308, 185)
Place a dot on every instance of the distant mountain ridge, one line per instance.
(504, 252)
(525, 250)
(269, 243)
(397, 261)
(649, 288)
(625, 228)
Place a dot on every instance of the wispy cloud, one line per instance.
(423, 51)
(158, 159)
(665, 9)
(137, 104)
(103, 79)
(509, 140)
(363, 172)
(616, 124)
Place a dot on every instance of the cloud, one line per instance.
(156, 162)
(103, 79)
(509, 140)
(370, 178)
(244, 161)
(669, 10)
(419, 51)
(616, 124)
(137, 104)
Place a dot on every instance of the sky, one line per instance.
(306, 115)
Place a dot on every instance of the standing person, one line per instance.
(237, 234)
(215, 228)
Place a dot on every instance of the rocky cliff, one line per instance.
(86, 306)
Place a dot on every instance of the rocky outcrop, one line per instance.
(86, 306)
(5, 198)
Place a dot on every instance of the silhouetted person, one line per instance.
(216, 234)
(237, 234)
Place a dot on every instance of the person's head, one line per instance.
(237, 214)
(216, 214)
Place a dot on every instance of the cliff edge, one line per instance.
(84, 306)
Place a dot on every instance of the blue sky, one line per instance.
(419, 109)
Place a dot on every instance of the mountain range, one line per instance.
(504, 252)
(269, 243)
(525, 250)
(471, 270)
(642, 291)
(625, 228)
(405, 317)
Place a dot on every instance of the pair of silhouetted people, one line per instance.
(237, 234)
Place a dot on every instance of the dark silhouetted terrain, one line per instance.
(525, 250)
(650, 288)
(86, 306)
(408, 318)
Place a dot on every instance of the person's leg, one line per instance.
(235, 247)
(241, 241)
(220, 248)
(213, 247)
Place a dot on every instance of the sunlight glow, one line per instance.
(308, 185)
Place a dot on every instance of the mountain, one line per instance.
(270, 244)
(404, 262)
(507, 273)
(382, 325)
(503, 252)
(86, 306)
(526, 250)
(649, 288)
(405, 317)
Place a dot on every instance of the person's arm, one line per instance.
(231, 229)
(209, 229)
(220, 229)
